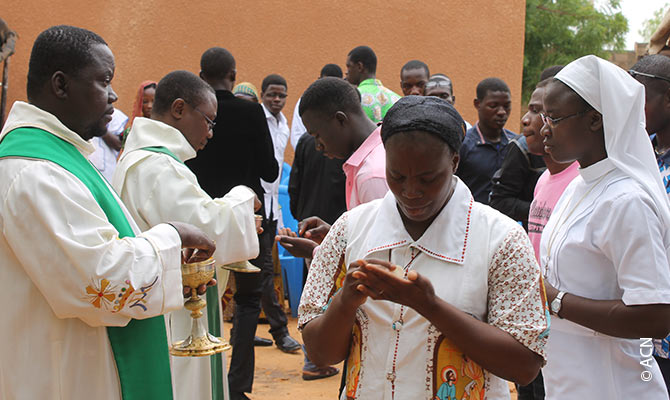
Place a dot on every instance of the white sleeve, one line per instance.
(631, 235)
(297, 127)
(173, 194)
(74, 256)
(326, 273)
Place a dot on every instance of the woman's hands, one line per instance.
(381, 280)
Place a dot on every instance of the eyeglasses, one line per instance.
(440, 83)
(552, 122)
(633, 73)
(210, 124)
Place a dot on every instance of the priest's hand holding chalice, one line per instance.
(198, 270)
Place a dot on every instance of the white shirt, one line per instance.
(604, 241)
(104, 157)
(58, 252)
(157, 188)
(280, 134)
(471, 254)
(297, 127)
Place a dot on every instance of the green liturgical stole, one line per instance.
(140, 348)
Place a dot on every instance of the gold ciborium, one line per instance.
(200, 342)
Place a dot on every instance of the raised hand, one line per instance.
(313, 228)
(298, 247)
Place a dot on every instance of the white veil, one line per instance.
(620, 99)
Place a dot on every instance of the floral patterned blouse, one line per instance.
(477, 259)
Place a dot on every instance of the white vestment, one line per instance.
(158, 188)
(63, 264)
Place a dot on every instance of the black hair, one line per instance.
(547, 75)
(655, 64)
(216, 63)
(366, 56)
(273, 79)
(491, 85)
(60, 48)
(331, 70)
(179, 85)
(550, 72)
(425, 114)
(329, 95)
(444, 78)
(414, 64)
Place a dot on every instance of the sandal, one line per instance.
(319, 373)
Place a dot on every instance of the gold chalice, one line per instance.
(200, 342)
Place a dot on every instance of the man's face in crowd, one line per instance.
(274, 98)
(532, 123)
(329, 131)
(196, 123)
(90, 94)
(354, 72)
(413, 81)
(656, 103)
(441, 89)
(494, 109)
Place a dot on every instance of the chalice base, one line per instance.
(244, 267)
(200, 346)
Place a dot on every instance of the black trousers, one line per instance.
(532, 391)
(252, 290)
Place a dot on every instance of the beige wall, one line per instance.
(467, 39)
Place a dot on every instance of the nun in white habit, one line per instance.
(605, 248)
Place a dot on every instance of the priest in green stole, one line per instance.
(83, 289)
(156, 186)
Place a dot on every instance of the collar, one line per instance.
(147, 132)
(446, 239)
(281, 119)
(370, 82)
(374, 140)
(24, 115)
(504, 139)
(591, 173)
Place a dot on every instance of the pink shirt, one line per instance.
(365, 171)
(548, 190)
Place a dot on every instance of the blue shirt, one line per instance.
(480, 159)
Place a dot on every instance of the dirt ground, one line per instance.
(278, 375)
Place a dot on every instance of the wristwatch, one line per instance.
(557, 303)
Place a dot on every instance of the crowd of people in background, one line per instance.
(442, 258)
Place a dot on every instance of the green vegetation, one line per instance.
(560, 31)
